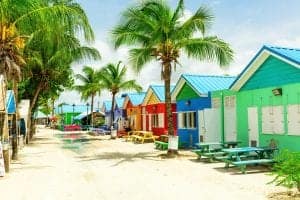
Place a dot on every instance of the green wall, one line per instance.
(186, 93)
(260, 98)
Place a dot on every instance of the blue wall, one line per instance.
(191, 136)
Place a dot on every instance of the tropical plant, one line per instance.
(287, 169)
(158, 32)
(90, 87)
(113, 78)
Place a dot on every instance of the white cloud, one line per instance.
(245, 38)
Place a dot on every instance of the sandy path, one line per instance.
(113, 169)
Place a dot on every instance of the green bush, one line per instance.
(287, 169)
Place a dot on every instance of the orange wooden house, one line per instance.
(133, 106)
(154, 115)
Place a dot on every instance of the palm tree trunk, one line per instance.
(92, 108)
(29, 133)
(112, 118)
(167, 79)
(15, 127)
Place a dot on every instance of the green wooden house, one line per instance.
(262, 106)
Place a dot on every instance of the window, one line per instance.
(157, 120)
(187, 120)
(215, 103)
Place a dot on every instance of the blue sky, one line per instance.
(245, 24)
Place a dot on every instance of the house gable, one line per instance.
(186, 92)
(153, 99)
(272, 72)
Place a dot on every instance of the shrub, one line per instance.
(287, 169)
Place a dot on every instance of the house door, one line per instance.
(253, 127)
(210, 125)
(202, 128)
(230, 118)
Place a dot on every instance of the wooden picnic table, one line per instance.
(230, 144)
(235, 156)
(208, 146)
(141, 136)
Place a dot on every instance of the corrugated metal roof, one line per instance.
(203, 84)
(10, 102)
(107, 105)
(159, 91)
(120, 102)
(69, 109)
(83, 115)
(288, 53)
(136, 98)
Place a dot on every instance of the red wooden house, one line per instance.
(154, 115)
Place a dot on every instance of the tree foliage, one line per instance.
(287, 169)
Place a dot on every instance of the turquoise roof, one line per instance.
(120, 102)
(159, 91)
(107, 105)
(203, 84)
(136, 98)
(10, 102)
(69, 109)
(288, 53)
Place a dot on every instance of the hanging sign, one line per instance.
(2, 168)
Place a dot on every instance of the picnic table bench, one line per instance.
(140, 136)
(235, 156)
(161, 145)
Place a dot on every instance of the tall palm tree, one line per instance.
(90, 87)
(113, 77)
(158, 32)
(20, 20)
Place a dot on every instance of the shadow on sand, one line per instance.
(121, 157)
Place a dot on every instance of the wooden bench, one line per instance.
(143, 136)
(161, 145)
(243, 163)
(211, 155)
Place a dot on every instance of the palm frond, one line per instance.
(139, 57)
(208, 48)
(200, 21)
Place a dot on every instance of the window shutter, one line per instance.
(161, 120)
(180, 120)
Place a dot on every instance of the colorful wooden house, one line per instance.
(154, 115)
(11, 110)
(192, 96)
(133, 106)
(69, 112)
(106, 108)
(262, 106)
(119, 114)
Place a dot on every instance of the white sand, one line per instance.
(114, 169)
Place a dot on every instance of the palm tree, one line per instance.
(158, 32)
(90, 87)
(21, 20)
(113, 77)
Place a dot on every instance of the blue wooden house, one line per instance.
(192, 95)
(119, 114)
(106, 108)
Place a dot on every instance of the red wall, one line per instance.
(156, 109)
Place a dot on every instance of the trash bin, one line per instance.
(113, 133)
